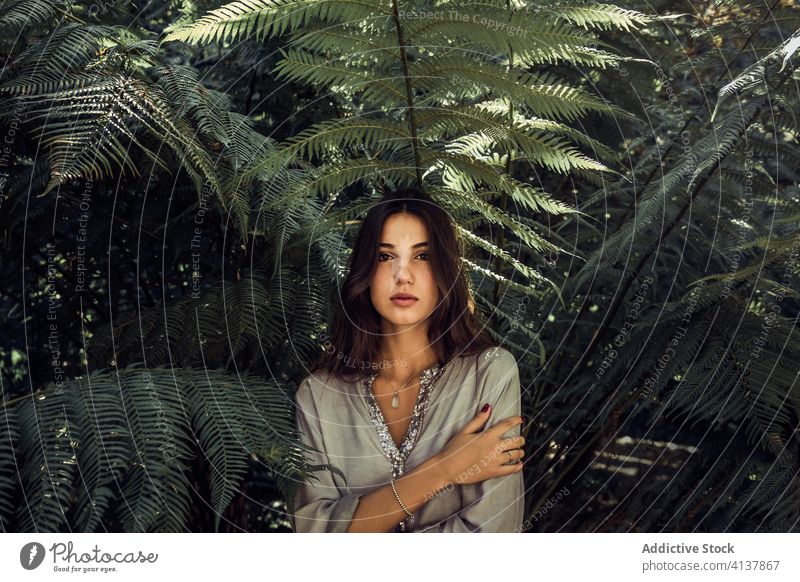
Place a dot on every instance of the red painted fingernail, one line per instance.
(485, 407)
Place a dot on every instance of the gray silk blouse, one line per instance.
(343, 421)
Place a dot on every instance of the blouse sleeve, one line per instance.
(318, 506)
(493, 505)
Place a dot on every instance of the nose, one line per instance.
(402, 274)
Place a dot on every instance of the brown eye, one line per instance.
(426, 255)
(380, 260)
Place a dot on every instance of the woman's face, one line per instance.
(403, 257)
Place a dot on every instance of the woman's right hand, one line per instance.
(471, 456)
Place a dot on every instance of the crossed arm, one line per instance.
(493, 505)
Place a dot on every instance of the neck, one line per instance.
(406, 351)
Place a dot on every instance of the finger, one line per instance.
(477, 422)
(506, 452)
(505, 425)
(510, 468)
(513, 455)
(514, 442)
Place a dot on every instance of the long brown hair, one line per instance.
(456, 327)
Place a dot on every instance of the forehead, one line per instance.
(403, 228)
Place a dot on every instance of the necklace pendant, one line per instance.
(395, 401)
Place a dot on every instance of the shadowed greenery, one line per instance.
(182, 182)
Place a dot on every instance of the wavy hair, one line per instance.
(456, 327)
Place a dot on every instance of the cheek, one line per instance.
(431, 290)
(381, 279)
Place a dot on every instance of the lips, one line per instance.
(402, 296)
(403, 299)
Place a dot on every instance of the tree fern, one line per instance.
(98, 99)
(9, 436)
(408, 76)
(707, 218)
(115, 448)
(597, 241)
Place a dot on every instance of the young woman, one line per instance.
(412, 402)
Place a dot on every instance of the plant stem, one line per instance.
(409, 94)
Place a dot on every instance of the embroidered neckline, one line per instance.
(392, 451)
(397, 455)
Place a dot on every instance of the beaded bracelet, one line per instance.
(400, 501)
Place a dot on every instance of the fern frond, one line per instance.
(544, 95)
(120, 444)
(348, 39)
(755, 74)
(496, 276)
(9, 439)
(300, 66)
(377, 135)
(46, 463)
(498, 252)
(43, 66)
(84, 137)
(455, 197)
(533, 41)
(489, 128)
(600, 16)
(261, 18)
(17, 15)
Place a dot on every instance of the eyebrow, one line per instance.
(419, 244)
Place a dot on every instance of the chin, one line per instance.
(407, 320)
(408, 317)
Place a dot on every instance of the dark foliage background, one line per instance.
(179, 184)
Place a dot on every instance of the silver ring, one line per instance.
(510, 457)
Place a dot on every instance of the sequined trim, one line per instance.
(397, 456)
